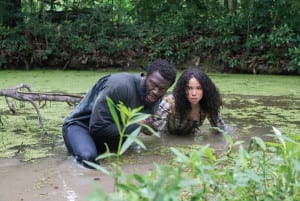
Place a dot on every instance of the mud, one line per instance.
(60, 178)
(35, 166)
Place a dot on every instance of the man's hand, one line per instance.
(147, 122)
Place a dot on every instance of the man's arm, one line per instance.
(101, 122)
(159, 119)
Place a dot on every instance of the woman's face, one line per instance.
(194, 91)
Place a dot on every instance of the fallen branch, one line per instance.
(36, 96)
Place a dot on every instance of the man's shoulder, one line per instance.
(124, 76)
(123, 82)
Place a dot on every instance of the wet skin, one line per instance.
(194, 91)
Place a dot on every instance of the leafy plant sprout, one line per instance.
(127, 117)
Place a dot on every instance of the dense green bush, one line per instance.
(294, 54)
(255, 36)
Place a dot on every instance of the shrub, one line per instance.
(263, 171)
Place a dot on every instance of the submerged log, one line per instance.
(30, 96)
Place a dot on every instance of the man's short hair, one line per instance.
(165, 69)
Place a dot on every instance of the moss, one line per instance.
(257, 85)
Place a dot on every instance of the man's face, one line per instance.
(156, 86)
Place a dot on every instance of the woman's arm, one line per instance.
(217, 121)
(160, 118)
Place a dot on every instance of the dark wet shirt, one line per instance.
(93, 112)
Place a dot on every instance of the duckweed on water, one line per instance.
(281, 112)
(251, 102)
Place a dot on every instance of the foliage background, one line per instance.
(258, 36)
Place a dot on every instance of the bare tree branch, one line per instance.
(36, 96)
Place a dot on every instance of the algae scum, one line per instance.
(249, 115)
(22, 137)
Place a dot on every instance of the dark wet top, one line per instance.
(93, 112)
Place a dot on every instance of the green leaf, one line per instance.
(126, 111)
(228, 138)
(123, 116)
(260, 143)
(97, 167)
(155, 133)
(105, 155)
(137, 119)
(130, 139)
(139, 142)
(137, 110)
(126, 188)
(273, 144)
(238, 142)
(184, 183)
(139, 178)
(210, 154)
(296, 164)
(181, 157)
(97, 195)
(113, 112)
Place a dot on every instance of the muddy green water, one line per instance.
(252, 105)
(35, 165)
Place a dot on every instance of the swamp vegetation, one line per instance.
(236, 35)
(230, 36)
(252, 105)
(204, 167)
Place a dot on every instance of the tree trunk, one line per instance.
(226, 5)
(234, 6)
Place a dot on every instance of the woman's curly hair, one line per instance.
(211, 100)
